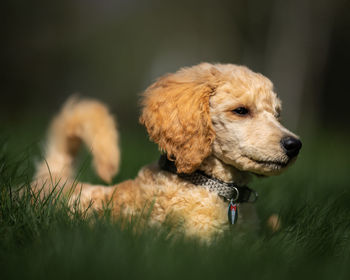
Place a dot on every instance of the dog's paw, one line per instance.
(274, 223)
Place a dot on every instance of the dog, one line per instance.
(217, 125)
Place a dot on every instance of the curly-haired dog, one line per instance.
(217, 125)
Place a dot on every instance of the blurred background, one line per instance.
(112, 50)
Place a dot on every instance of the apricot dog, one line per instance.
(216, 124)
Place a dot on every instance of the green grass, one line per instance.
(47, 241)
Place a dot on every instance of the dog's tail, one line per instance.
(79, 121)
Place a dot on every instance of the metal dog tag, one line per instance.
(232, 212)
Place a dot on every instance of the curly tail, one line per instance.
(87, 121)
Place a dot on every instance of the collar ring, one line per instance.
(237, 194)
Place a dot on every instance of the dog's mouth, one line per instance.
(270, 164)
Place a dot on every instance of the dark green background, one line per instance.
(112, 50)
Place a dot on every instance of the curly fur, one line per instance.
(190, 115)
(176, 115)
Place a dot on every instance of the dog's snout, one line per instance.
(291, 146)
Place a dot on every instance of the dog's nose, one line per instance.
(291, 146)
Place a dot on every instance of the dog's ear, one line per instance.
(176, 114)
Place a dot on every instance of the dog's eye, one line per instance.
(241, 111)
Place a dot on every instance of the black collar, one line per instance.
(228, 191)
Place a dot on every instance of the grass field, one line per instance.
(43, 240)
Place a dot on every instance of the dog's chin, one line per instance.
(264, 168)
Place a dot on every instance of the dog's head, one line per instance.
(223, 110)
